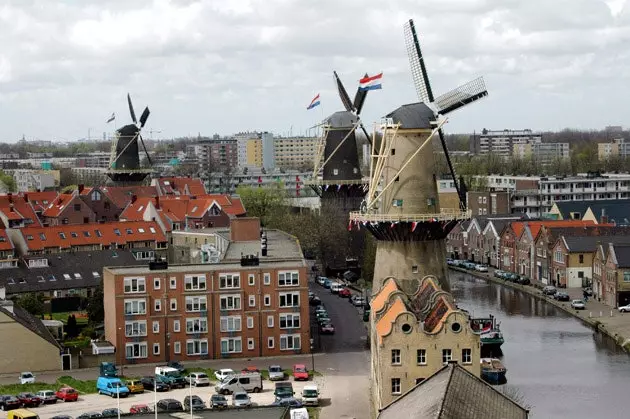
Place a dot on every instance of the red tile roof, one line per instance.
(15, 207)
(5, 241)
(60, 203)
(179, 207)
(65, 236)
(40, 200)
(121, 195)
(181, 186)
(534, 226)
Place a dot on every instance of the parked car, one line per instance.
(498, 273)
(549, 290)
(62, 417)
(578, 304)
(198, 379)
(359, 301)
(169, 405)
(290, 402)
(218, 401)
(29, 399)
(67, 394)
(624, 309)
(111, 386)
(241, 399)
(47, 396)
(561, 296)
(588, 291)
(250, 369)
(523, 280)
(321, 280)
(327, 329)
(300, 372)
(327, 283)
(140, 409)
(27, 377)
(311, 294)
(450, 262)
(154, 384)
(345, 293)
(223, 373)
(177, 365)
(315, 301)
(320, 309)
(481, 268)
(323, 320)
(9, 402)
(135, 386)
(111, 413)
(195, 401)
(90, 415)
(276, 373)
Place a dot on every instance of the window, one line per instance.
(466, 356)
(446, 355)
(250, 322)
(289, 299)
(157, 305)
(289, 342)
(173, 284)
(230, 302)
(421, 357)
(289, 321)
(96, 274)
(251, 279)
(270, 343)
(252, 301)
(626, 277)
(396, 357)
(199, 325)
(117, 232)
(267, 300)
(173, 304)
(396, 386)
(267, 278)
(96, 196)
(558, 256)
(176, 326)
(67, 277)
(98, 233)
(138, 328)
(129, 231)
(197, 347)
(193, 282)
(230, 323)
(177, 347)
(269, 321)
(288, 279)
(141, 230)
(393, 151)
(250, 344)
(156, 349)
(77, 207)
(229, 281)
(231, 345)
(156, 283)
(156, 326)
(414, 269)
(62, 235)
(136, 350)
(196, 304)
(135, 307)
(581, 258)
(134, 285)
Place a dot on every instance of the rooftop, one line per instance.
(27, 320)
(205, 268)
(280, 245)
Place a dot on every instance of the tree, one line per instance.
(8, 181)
(95, 309)
(264, 202)
(31, 302)
(72, 330)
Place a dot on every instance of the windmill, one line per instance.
(124, 165)
(444, 104)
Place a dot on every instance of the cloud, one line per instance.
(225, 66)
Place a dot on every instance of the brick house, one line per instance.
(492, 240)
(599, 275)
(617, 275)
(476, 239)
(525, 252)
(108, 202)
(39, 200)
(508, 245)
(457, 241)
(17, 212)
(68, 209)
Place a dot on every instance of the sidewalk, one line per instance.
(605, 319)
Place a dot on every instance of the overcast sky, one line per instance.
(230, 65)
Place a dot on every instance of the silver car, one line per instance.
(198, 379)
(241, 399)
(276, 373)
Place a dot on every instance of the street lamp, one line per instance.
(123, 351)
(313, 356)
(118, 397)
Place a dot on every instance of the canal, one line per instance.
(560, 367)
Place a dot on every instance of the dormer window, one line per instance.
(42, 236)
(74, 234)
(129, 231)
(141, 230)
(117, 232)
(62, 235)
(77, 276)
(67, 277)
(96, 196)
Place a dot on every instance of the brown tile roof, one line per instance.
(534, 226)
(121, 195)
(15, 207)
(65, 236)
(179, 207)
(5, 241)
(60, 203)
(40, 200)
(181, 186)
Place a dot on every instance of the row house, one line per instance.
(255, 306)
(611, 274)
(67, 209)
(39, 200)
(482, 244)
(457, 241)
(143, 236)
(599, 211)
(17, 212)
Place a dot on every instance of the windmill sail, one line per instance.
(416, 62)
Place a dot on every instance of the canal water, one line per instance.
(559, 366)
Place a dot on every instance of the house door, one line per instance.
(539, 275)
(66, 362)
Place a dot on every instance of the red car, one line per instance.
(250, 369)
(67, 394)
(140, 408)
(29, 399)
(300, 372)
(345, 293)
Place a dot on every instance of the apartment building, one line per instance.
(217, 154)
(501, 143)
(617, 148)
(253, 303)
(542, 153)
(584, 187)
(488, 203)
(242, 141)
(254, 153)
(291, 180)
(35, 180)
(295, 152)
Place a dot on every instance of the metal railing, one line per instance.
(446, 215)
(323, 182)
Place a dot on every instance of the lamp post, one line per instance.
(312, 356)
(190, 402)
(123, 351)
(155, 409)
(118, 397)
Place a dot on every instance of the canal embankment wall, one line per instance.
(602, 318)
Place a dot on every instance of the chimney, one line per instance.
(25, 197)
(81, 187)
(133, 198)
(157, 202)
(10, 196)
(3, 293)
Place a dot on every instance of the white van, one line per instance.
(335, 287)
(248, 381)
(310, 395)
(300, 413)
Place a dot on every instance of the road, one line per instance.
(342, 360)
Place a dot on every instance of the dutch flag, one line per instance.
(314, 102)
(371, 82)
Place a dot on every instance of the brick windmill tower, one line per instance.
(401, 208)
(337, 177)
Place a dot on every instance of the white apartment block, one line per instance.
(542, 153)
(616, 148)
(35, 180)
(241, 143)
(501, 143)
